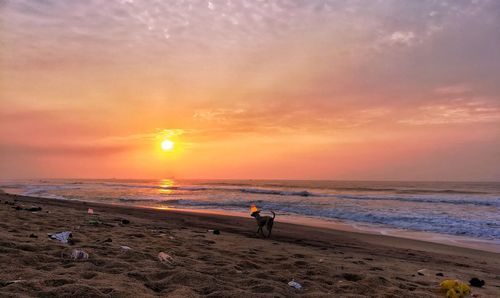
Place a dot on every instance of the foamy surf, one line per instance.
(459, 209)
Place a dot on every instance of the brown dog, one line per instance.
(264, 221)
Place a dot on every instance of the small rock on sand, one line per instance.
(165, 258)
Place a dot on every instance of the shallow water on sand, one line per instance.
(469, 209)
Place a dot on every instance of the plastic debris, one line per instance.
(124, 247)
(476, 282)
(90, 211)
(4, 283)
(95, 222)
(33, 209)
(63, 237)
(422, 271)
(455, 288)
(165, 258)
(79, 254)
(295, 284)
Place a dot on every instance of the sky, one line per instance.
(341, 90)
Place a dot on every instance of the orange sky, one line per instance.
(394, 90)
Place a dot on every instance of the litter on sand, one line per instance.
(295, 284)
(124, 247)
(79, 254)
(4, 283)
(63, 237)
(95, 222)
(455, 288)
(33, 209)
(476, 282)
(165, 258)
(422, 271)
(90, 211)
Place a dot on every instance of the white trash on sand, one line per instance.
(62, 236)
(295, 284)
(422, 272)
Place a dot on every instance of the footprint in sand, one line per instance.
(58, 282)
(88, 275)
(376, 269)
(263, 289)
(248, 265)
(300, 263)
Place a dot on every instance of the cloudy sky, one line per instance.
(352, 89)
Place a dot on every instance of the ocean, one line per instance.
(468, 209)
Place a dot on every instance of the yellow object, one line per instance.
(253, 209)
(455, 288)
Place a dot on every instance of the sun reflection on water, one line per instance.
(166, 186)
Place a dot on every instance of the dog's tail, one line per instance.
(274, 214)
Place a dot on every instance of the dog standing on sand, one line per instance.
(263, 221)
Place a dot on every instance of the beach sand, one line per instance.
(235, 263)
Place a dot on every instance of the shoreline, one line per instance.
(355, 227)
(352, 227)
(342, 230)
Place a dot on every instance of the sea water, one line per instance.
(469, 209)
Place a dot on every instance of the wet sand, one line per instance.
(326, 262)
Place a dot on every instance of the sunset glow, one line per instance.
(167, 145)
(248, 148)
(370, 90)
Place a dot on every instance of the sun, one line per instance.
(167, 145)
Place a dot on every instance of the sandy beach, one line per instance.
(123, 257)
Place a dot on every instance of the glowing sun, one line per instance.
(167, 145)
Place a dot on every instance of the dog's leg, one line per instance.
(269, 228)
